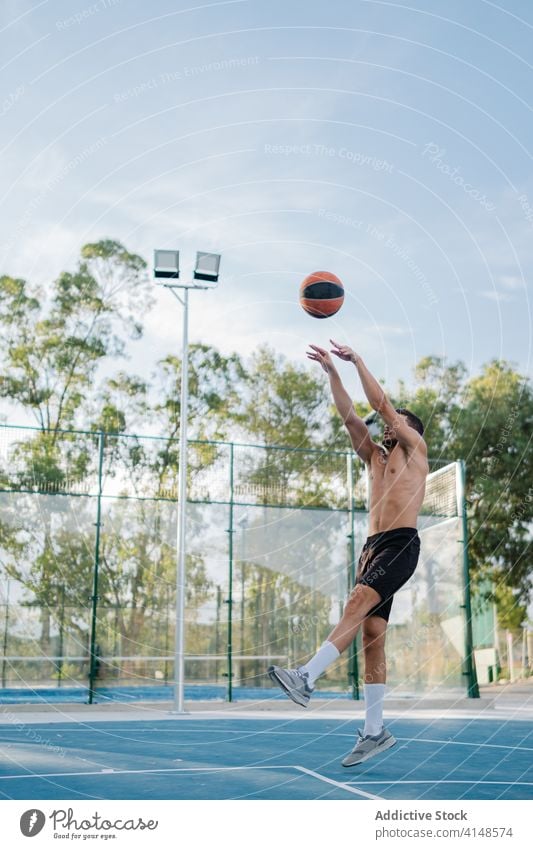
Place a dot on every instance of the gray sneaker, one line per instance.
(294, 682)
(367, 747)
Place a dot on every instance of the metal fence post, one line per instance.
(353, 668)
(229, 600)
(94, 598)
(61, 633)
(6, 632)
(470, 666)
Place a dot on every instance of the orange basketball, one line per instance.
(321, 294)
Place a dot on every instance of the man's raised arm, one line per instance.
(406, 435)
(357, 429)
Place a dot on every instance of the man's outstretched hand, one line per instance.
(343, 352)
(320, 355)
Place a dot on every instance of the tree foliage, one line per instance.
(62, 355)
(52, 343)
(487, 420)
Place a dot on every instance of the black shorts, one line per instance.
(387, 561)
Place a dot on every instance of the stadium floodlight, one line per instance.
(166, 264)
(166, 267)
(207, 266)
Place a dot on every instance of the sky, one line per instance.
(387, 142)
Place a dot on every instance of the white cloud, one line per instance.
(494, 295)
(390, 330)
(511, 281)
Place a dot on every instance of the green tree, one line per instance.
(486, 420)
(493, 433)
(215, 390)
(51, 348)
(286, 405)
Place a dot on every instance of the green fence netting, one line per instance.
(273, 535)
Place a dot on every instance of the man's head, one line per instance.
(389, 434)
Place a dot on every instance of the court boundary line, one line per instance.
(164, 770)
(341, 784)
(348, 786)
(67, 727)
(204, 770)
(465, 743)
(446, 781)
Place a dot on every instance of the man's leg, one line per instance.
(375, 737)
(298, 683)
(374, 631)
(361, 600)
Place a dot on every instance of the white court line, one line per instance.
(274, 732)
(461, 743)
(9, 713)
(444, 781)
(205, 770)
(340, 784)
(111, 771)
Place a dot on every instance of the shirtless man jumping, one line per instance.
(397, 470)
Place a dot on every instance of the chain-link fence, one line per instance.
(88, 557)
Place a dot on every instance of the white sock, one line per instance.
(374, 695)
(318, 664)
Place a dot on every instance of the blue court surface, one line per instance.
(220, 755)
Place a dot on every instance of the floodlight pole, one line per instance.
(179, 661)
(179, 649)
(166, 265)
